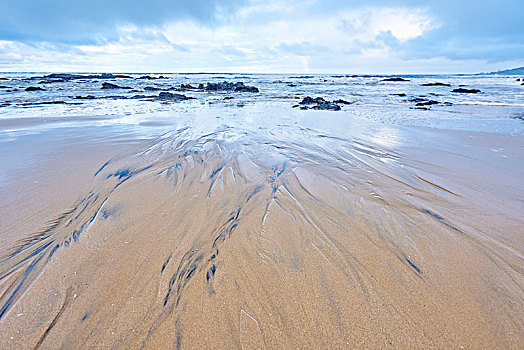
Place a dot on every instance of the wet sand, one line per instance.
(278, 237)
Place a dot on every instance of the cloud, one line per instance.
(92, 21)
(268, 35)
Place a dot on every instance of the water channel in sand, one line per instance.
(279, 232)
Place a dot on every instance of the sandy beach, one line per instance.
(319, 230)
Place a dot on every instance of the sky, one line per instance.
(255, 36)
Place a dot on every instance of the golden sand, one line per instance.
(221, 241)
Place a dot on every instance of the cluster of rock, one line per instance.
(320, 103)
(223, 86)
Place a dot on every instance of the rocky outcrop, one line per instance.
(148, 77)
(168, 96)
(34, 88)
(395, 79)
(110, 86)
(227, 86)
(152, 88)
(436, 84)
(320, 103)
(466, 91)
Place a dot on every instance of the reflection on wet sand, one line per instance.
(233, 239)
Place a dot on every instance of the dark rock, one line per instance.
(244, 88)
(436, 84)
(291, 85)
(395, 79)
(427, 103)
(518, 79)
(303, 77)
(187, 87)
(466, 91)
(4, 87)
(152, 88)
(34, 88)
(226, 86)
(309, 100)
(462, 85)
(400, 95)
(331, 106)
(228, 98)
(168, 96)
(344, 102)
(320, 104)
(88, 97)
(1, 78)
(108, 86)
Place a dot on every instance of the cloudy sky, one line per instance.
(309, 36)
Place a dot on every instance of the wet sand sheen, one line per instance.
(240, 240)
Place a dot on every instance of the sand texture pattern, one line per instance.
(238, 240)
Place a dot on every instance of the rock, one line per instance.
(291, 85)
(187, 87)
(226, 86)
(168, 96)
(88, 97)
(395, 79)
(427, 103)
(152, 88)
(34, 88)
(148, 77)
(436, 84)
(331, 106)
(344, 102)
(320, 104)
(309, 100)
(228, 98)
(244, 88)
(518, 79)
(1, 78)
(4, 87)
(466, 91)
(108, 86)
(400, 95)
